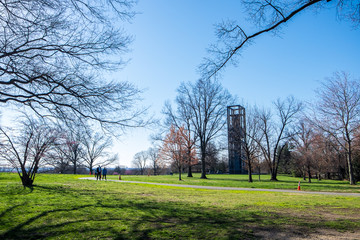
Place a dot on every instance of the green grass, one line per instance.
(64, 207)
(226, 180)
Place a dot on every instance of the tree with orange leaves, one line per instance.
(176, 149)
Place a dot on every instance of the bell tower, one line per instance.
(236, 136)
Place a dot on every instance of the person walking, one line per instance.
(98, 173)
(104, 173)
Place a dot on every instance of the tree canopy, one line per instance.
(53, 55)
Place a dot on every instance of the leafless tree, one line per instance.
(57, 158)
(182, 118)
(268, 16)
(53, 54)
(25, 149)
(337, 112)
(95, 147)
(303, 141)
(153, 154)
(70, 145)
(74, 151)
(206, 100)
(212, 157)
(328, 156)
(275, 133)
(140, 161)
(252, 135)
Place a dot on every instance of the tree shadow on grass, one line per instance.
(108, 215)
(150, 220)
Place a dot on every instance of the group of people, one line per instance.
(99, 171)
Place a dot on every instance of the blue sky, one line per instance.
(171, 37)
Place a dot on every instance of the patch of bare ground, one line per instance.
(323, 213)
(308, 225)
(297, 234)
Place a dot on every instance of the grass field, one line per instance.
(64, 207)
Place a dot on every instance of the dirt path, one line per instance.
(233, 188)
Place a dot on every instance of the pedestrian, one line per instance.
(104, 173)
(98, 173)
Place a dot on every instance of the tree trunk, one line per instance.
(249, 170)
(273, 176)
(273, 172)
(351, 171)
(190, 172)
(203, 166)
(179, 173)
(309, 172)
(26, 181)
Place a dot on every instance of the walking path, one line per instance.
(232, 188)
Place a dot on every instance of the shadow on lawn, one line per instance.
(150, 220)
(112, 215)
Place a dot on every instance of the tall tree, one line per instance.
(252, 134)
(275, 133)
(182, 117)
(206, 100)
(57, 158)
(267, 16)
(74, 150)
(96, 146)
(25, 149)
(53, 54)
(337, 112)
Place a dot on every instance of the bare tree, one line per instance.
(25, 149)
(74, 150)
(337, 112)
(303, 141)
(140, 161)
(95, 150)
(328, 156)
(212, 157)
(154, 158)
(252, 133)
(183, 118)
(53, 54)
(207, 101)
(57, 158)
(268, 16)
(275, 133)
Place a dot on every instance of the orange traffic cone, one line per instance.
(299, 186)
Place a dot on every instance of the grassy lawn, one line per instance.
(226, 180)
(64, 207)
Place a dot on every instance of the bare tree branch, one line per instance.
(269, 15)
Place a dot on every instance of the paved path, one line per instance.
(233, 188)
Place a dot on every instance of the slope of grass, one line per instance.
(226, 180)
(63, 207)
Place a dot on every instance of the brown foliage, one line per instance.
(178, 148)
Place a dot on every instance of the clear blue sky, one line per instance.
(171, 37)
